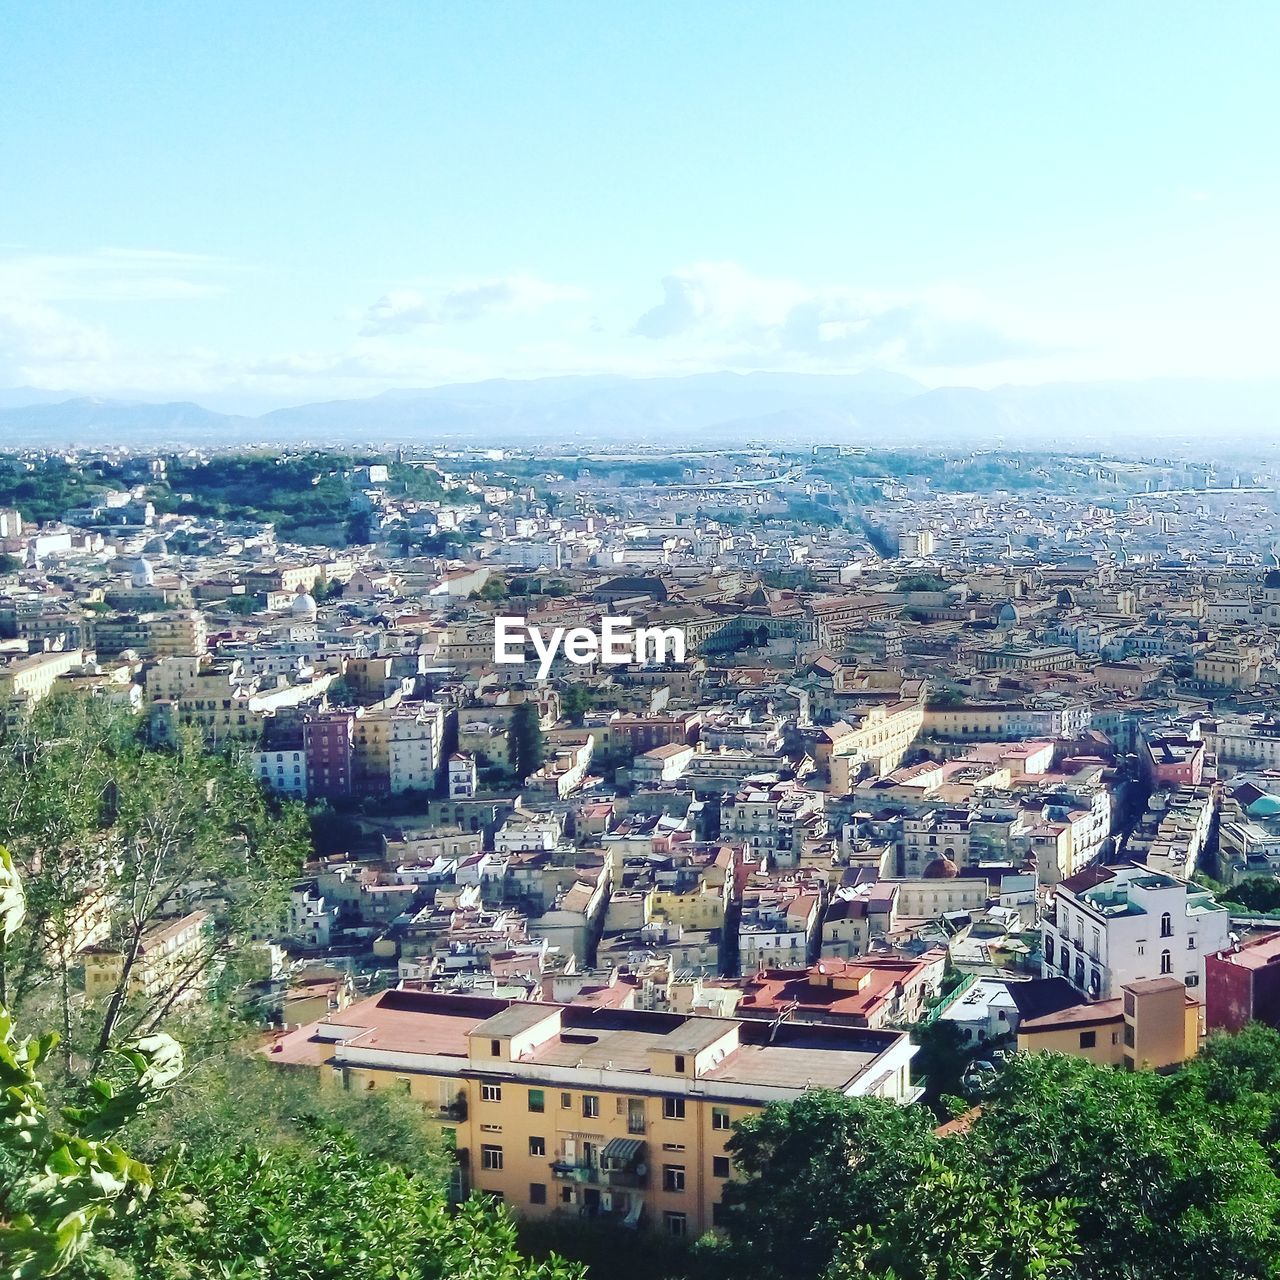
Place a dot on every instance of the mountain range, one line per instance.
(711, 409)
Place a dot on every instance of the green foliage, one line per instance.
(576, 699)
(341, 693)
(62, 1176)
(494, 589)
(243, 604)
(922, 582)
(9, 564)
(321, 1210)
(1067, 1170)
(804, 511)
(946, 698)
(1259, 894)
(941, 1062)
(1153, 1169)
(53, 486)
(132, 828)
(813, 1170)
(955, 1225)
(230, 1101)
(527, 748)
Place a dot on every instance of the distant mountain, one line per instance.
(713, 409)
(89, 420)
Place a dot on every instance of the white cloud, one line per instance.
(38, 341)
(403, 310)
(750, 320)
(112, 275)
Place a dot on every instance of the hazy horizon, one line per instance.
(256, 207)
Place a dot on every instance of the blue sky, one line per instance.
(258, 203)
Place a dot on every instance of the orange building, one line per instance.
(591, 1111)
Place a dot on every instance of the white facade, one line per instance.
(1130, 923)
(284, 772)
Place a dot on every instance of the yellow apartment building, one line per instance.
(169, 949)
(1154, 1024)
(593, 1112)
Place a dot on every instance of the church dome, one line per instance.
(142, 574)
(1272, 581)
(1265, 807)
(941, 869)
(304, 606)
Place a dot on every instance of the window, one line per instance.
(537, 1100)
(1088, 1039)
(566, 1101)
(718, 1214)
(720, 1118)
(1166, 925)
(1166, 962)
(679, 1064)
(635, 1115)
(673, 1108)
(676, 1224)
(537, 1193)
(1193, 980)
(720, 1166)
(590, 1106)
(673, 1177)
(1128, 1034)
(490, 1157)
(490, 1093)
(1191, 943)
(537, 1146)
(495, 1048)
(566, 1195)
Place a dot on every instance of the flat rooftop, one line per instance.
(786, 1055)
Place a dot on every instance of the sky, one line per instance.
(251, 204)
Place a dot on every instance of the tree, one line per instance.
(955, 1225)
(946, 698)
(275, 1189)
(114, 838)
(527, 750)
(62, 1175)
(9, 564)
(1151, 1170)
(810, 1171)
(341, 693)
(325, 1211)
(942, 1060)
(1256, 893)
(243, 604)
(576, 700)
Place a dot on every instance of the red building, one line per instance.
(1174, 760)
(1243, 985)
(328, 740)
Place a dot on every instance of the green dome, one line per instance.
(1265, 807)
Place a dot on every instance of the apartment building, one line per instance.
(1153, 1024)
(1108, 926)
(172, 952)
(1008, 720)
(601, 1113)
(27, 680)
(937, 834)
(773, 821)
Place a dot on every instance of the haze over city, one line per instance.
(254, 206)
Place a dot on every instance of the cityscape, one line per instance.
(564, 729)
